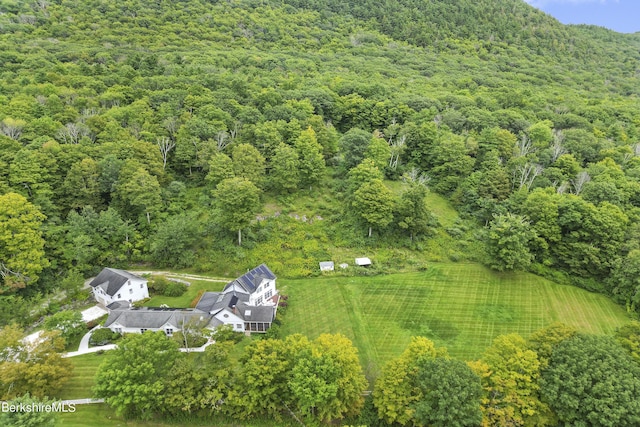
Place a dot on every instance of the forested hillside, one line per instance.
(216, 135)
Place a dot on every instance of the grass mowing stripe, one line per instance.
(460, 306)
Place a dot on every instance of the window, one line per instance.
(119, 296)
(141, 285)
(259, 301)
(169, 331)
(143, 330)
(118, 330)
(268, 294)
(259, 289)
(238, 326)
(130, 290)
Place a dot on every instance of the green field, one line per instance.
(84, 372)
(460, 306)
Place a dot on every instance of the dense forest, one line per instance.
(176, 133)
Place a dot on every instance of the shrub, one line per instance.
(95, 322)
(174, 289)
(140, 303)
(194, 301)
(226, 333)
(103, 336)
(158, 285)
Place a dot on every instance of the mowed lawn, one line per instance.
(215, 285)
(460, 306)
(83, 378)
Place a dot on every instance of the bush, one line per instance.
(226, 333)
(103, 336)
(195, 301)
(141, 303)
(95, 322)
(174, 289)
(158, 285)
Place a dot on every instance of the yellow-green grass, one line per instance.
(101, 415)
(460, 306)
(437, 204)
(185, 299)
(83, 377)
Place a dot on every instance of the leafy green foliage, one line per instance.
(37, 368)
(374, 203)
(103, 336)
(68, 322)
(131, 380)
(237, 201)
(507, 242)
(592, 379)
(26, 418)
(450, 394)
(21, 242)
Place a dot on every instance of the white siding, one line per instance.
(264, 287)
(230, 319)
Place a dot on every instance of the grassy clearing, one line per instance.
(83, 379)
(185, 299)
(460, 306)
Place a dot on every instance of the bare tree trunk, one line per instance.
(369, 231)
(148, 218)
(239, 237)
(165, 145)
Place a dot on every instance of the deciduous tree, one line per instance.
(450, 394)
(592, 381)
(22, 256)
(237, 201)
(374, 202)
(133, 379)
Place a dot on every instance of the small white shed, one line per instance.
(326, 266)
(363, 262)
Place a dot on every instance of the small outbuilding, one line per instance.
(327, 266)
(363, 262)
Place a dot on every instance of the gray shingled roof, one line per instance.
(251, 280)
(212, 302)
(112, 279)
(253, 313)
(150, 317)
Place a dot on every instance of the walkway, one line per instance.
(84, 348)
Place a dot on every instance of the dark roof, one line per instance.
(112, 279)
(119, 304)
(212, 302)
(252, 279)
(153, 318)
(253, 313)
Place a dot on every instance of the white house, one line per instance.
(248, 303)
(113, 285)
(142, 319)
